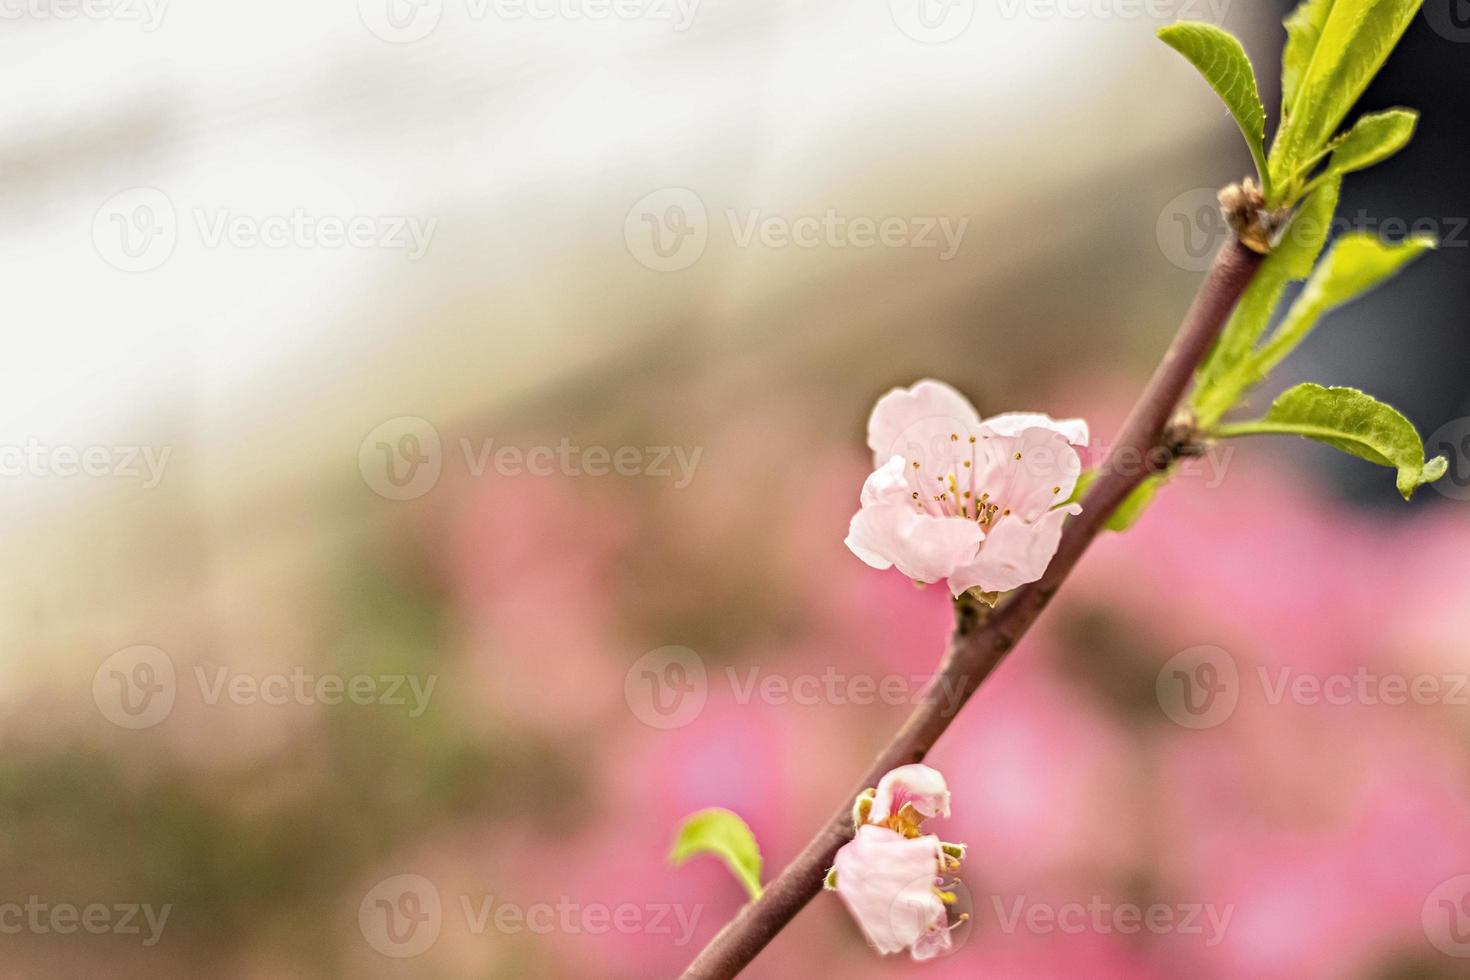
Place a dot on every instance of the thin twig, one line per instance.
(979, 643)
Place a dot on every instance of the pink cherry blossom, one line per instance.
(917, 785)
(887, 881)
(955, 497)
(889, 874)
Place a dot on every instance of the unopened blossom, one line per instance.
(916, 786)
(977, 502)
(889, 875)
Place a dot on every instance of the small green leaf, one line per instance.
(1126, 514)
(1348, 40)
(722, 833)
(1223, 62)
(1353, 422)
(1216, 388)
(1131, 509)
(1373, 139)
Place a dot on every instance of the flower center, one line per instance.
(950, 487)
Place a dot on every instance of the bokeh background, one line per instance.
(325, 502)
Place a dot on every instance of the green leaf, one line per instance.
(1353, 38)
(1373, 139)
(1290, 261)
(1223, 62)
(721, 833)
(1131, 509)
(1303, 30)
(1357, 263)
(1353, 422)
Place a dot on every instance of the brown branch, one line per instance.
(1148, 444)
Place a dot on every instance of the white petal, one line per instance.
(1014, 554)
(887, 882)
(1012, 424)
(926, 549)
(891, 426)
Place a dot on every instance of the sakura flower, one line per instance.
(977, 502)
(889, 875)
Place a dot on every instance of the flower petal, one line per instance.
(887, 882)
(898, 412)
(1030, 473)
(1015, 553)
(926, 549)
(916, 784)
(1014, 423)
(887, 484)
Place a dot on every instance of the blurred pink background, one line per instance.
(500, 800)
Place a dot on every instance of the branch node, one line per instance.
(1244, 207)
